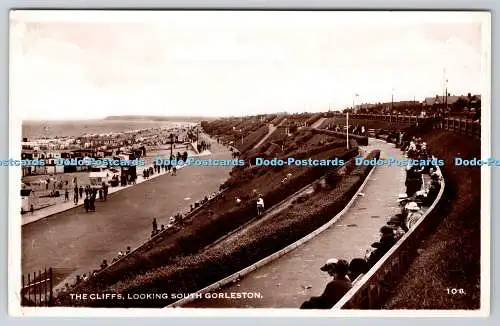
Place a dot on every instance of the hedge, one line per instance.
(191, 273)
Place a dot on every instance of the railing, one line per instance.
(402, 119)
(464, 127)
(37, 290)
(372, 289)
(264, 261)
(151, 240)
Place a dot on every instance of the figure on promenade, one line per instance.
(105, 191)
(260, 205)
(86, 204)
(334, 290)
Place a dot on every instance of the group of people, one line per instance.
(91, 196)
(201, 146)
(104, 264)
(121, 254)
(172, 169)
(162, 228)
(342, 273)
(353, 129)
(247, 200)
(418, 195)
(411, 203)
(180, 216)
(206, 199)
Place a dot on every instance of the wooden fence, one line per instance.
(37, 289)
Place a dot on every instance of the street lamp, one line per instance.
(392, 105)
(392, 101)
(347, 119)
(171, 144)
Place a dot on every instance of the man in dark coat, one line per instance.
(334, 290)
(86, 204)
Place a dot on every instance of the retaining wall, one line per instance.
(238, 275)
(371, 291)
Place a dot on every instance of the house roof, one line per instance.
(450, 100)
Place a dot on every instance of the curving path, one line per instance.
(294, 277)
(272, 129)
(318, 123)
(74, 242)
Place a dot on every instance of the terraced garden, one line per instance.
(148, 265)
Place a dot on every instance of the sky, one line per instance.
(84, 65)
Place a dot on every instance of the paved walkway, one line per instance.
(61, 207)
(74, 242)
(269, 133)
(318, 123)
(293, 278)
(272, 129)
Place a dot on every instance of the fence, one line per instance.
(150, 241)
(37, 290)
(397, 119)
(466, 127)
(462, 126)
(373, 288)
(264, 261)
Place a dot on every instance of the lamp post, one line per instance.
(171, 145)
(392, 101)
(347, 120)
(392, 105)
(446, 94)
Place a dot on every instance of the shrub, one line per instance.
(189, 273)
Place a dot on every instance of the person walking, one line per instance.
(105, 191)
(92, 203)
(66, 195)
(260, 205)
(81, 191)
(86, 204)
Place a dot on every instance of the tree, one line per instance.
(459, 105)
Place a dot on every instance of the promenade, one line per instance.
(75, 242)
(296, 276)
(64, 206)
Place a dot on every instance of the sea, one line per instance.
(73, 128)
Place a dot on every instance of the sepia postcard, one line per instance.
(284, 163)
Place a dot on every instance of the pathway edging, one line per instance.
(277, 254)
